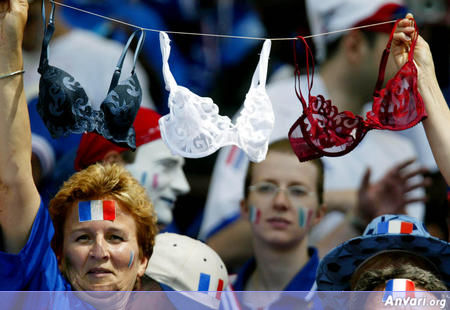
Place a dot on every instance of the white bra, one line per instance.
(194, 128)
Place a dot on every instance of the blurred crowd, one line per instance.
(276, 225)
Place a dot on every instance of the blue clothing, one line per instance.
(44, 300)
(298, 294)
(35, 268)
(63, 152)
(59, 146)
(303, 280)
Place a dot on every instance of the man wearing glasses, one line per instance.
(283, 200)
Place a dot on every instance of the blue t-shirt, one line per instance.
(303, 280)
(35, 268)
(298, 294)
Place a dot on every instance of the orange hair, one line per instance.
(106, 181)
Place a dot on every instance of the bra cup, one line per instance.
(65, 108)
(255, 124)
(194, 127)
(329, 131)
(399, 105)
(63, 104)
(321, 130)
(119, 109)
(302, 149)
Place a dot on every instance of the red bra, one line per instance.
(322, 130)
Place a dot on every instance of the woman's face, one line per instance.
(101, 255)
(283, 218)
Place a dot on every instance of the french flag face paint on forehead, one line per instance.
(97, 210)
(399, 288)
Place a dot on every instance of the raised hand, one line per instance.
(20, 201)
(403, 36)
(13, 17)
(437, 125)
(390, 194)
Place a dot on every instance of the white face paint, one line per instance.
(161, 173)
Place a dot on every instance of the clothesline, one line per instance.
(216, 35)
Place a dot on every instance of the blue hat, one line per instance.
(386, 232)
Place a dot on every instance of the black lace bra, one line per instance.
(65, 108)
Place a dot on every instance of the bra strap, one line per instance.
(118, 70)
(414, 41)
(164, 42)
(310, 79)
(138, 50)
(260, 74)
(48, 33)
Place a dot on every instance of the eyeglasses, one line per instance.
(269, 190)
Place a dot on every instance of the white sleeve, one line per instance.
(225, 191)
(419, 139)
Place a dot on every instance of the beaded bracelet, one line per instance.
(12, 74)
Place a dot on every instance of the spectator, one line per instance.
(283, 200)
(373, 280)
(347, 76)
(90, 250)
(437, 123)
(388, 241)
(420, 288)
(187, 265)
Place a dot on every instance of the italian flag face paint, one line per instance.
(304, 216)
(255, 214)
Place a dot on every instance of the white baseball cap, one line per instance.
(332, 15)
(190, 266)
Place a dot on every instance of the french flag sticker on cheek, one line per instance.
(97, 210)
(399, 288)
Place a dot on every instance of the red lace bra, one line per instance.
(322, 130)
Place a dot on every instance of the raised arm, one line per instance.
(437, 125)
(19, 199)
